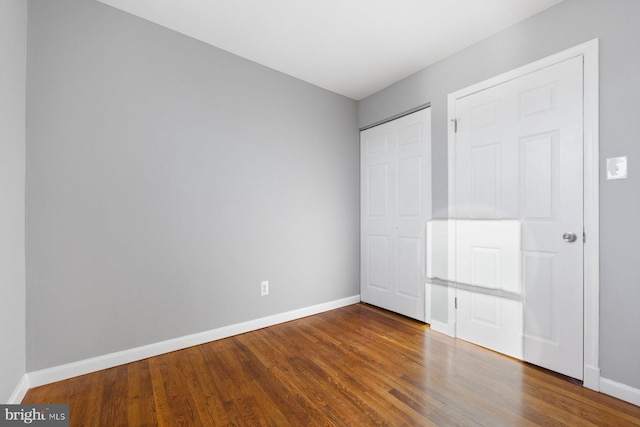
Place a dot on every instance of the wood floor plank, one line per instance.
(158, 369)
(283, 361)
(355, 366)
(140, 402)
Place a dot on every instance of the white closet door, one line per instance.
(519, 155)
(395, 205)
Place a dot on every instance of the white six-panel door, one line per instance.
(519, 155)
(395, 205)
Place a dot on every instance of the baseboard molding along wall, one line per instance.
(620, 391)
(58, 373)
(591, 377)
(82, 367)
(20, 391)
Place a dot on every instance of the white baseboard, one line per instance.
(591, 378)
(70, 370)
(621, 391)
(20, 391)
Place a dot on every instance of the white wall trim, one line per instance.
(590, 53)
(442, 327)
(74, 369)
(20, 391)
(620, 391)
(427, 300)
(591, 377)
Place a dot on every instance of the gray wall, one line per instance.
(615, 23)
(166, 178)
(13, 56)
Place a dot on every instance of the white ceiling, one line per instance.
(352, 47)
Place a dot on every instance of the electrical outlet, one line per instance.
(617, 168)
(264, 288)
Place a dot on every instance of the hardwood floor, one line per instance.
(355, 366)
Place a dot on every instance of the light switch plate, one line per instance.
(617, 168)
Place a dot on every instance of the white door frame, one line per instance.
(591, 265)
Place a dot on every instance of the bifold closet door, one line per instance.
(395, 205)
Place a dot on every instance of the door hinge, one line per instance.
(455, 125)
(584, 237)
(455, 303)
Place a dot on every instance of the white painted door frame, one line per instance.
(589, 52)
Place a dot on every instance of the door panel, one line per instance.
(395, 204)
(538, 274)
(538, 165)
(378, 144)
(518, 155)
(377, 266)
(410, 187)
(378, 191)
(490, 289)
(490, 321)
(485, 181)
(409, 264)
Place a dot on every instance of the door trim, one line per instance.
(591, 263)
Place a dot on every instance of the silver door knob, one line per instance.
(569, 237)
